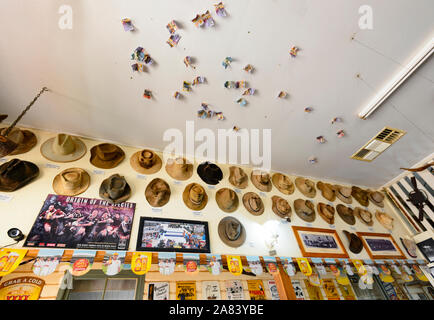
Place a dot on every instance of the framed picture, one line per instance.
(427, 248)
(315, 242)
(380, 245)
(173, 235)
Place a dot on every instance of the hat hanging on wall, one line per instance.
(63, 148)
(210, 173)
(306, 187)
(106, 155)
(283, 183)
(346, 214)
(16, 173)
(253, 203)
(261, 180)
(327, 191)
(360, 195)
(238, 178)
(179, 168)
(146, 162)
(305, 210)
(157, 192)
(227, 200)
(232, 232)
(343, 194)
(281, 208)
(195, 196)
(115, 189)
(364, 215)
(410, 247)
(24, 139)
(71, 182)
(385, 220)
(376, 198)
(327, 212)
(355, 243)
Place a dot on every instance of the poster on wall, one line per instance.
(22, 288)
(82, 223)
(256, 289)
(234, 290)
(288, 266)
(191, 262)
(299, 293)
(185, 290)
(113, 262)
(235, 265)
(10, 259)
(81, 262)
(347, 291)
(314, 292)
(211, 290)
(255, 265)
(47, 261)
(214, 263)
(274, 293)
(271, 264)
(158, 291)
(141, 262)
(166, 262)
(330, 290)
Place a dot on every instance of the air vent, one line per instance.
(377, 145)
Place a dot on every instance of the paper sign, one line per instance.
(166, 262)
(158, 291)
(191, 262)
(22, 288)
(314, 292)
(141, 262)
(255, 265)
(98, 172)
(330, 290)
(235, 265)
(52, 166)
(304, 266)
(234, 290)
(273, 290)
(81, 262)
(256, 289)
(211, 290)
(185, 290)
(6, 197)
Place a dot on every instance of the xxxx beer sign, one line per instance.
(22, 288)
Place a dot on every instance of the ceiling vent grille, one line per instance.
(377, 145)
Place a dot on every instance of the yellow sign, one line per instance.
(141, 262)
(315, 280)
(330, 290)
(304, 266)
(386, 277)
(23, 288)
(347, 292)
(360, 267)
(185, 290)
(256, 289)
(419, 273)
(343, 279)
(313, 291)
(10, 259)
(235, 265)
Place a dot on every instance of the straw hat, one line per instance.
(327, 191)
(281, 208)
(16, 173)
(179, 169)
(232, 232)
(283, 183)
(327, 212)
(355, 243)
(63, 148)
(253, 203)
(364, 215)
(157, 192)
(194, 196)
(210, 173)
(25, 139)
(261, 180)
(227, 200)
(115, 189)
(346, 213)
(410, 247)
(385, 220)
(376, 198)
(343, 194)
(238, 178)
(305, 210)
(146, 162)
(306, 187)
(360, 195)
(71, 182)
(106, 155)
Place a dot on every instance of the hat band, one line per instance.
(343, 194)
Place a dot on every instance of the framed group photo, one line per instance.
(380, 245)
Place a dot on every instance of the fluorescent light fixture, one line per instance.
(398, 79)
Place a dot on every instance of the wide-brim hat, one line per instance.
(252, 205)
(410, 247)
(257, 179)
(282, 214)
(25, 140)
(360, 195)
(305, 210)
(343, 194)
(385, 220)
(179, 168)
(306, 187)
(327, 191)
(49, 153)
(239, 182)
(376, 198)
(16, 173)
(227, 200)
(210, 173)
(138, 159)
(157, 192)
(106, 155)
(226, 225)
(327, 212)
(287, 188)
(115, 189)
(346, 214)
(364, 215)
(190, 202)
(355, 243)
(71, 182)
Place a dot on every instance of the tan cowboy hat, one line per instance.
(376, 198)
(343, 194)
(115, 189)
(253, 203)
(364, 215)
(261, 180)
(327, 191)
(146, 162)
(179, 168)
(71, 182)
(106, 155)
(157, 192)
(25, 139)
(385, 220)
(360, 195)
(63, 148)
(238, 178)
(346, 213)
(283, 183)
(305, 210)
(281, 208)
(227, 200)
(327, 212)
(194, 196)
(306, 187)
(232, 232)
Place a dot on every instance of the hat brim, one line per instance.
(148, 194)
(29, 141)
(177, 175)
(108, 164)
(277, 212)
(246, 198)
(258, 185)
(187, 201)
(58, 187)
(322, 186)
(218, 199)
(378, 204)
(349, 219)
(135, 164)
(275, 179)
(380, 220)
(320, 206)
(297, 207)
(32, 173)
(205, 174)
(79, 152)
(358, 215)
(348, 200)
(242, 185)
(103, 192)
(299, 182)
(222, 233)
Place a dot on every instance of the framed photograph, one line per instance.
(427, 248)
(315, 242)
(380, 245)
(173, 235)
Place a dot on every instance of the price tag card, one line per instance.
(98, 172)
(177, 182)
(237, 190)
(52, 166)
(371, 229)
(157, 210)
(141, 176)
(210, 186)
(251, 244)
(352, 228)
(262, 194)
(6, 197)
(332, 226)
(3, 160)
(197, 213)
(367, 261)
(308, 224)
(379, 261)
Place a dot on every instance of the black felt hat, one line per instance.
(210, 173)
(16, 173)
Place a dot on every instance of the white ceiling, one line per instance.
(95, 93)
